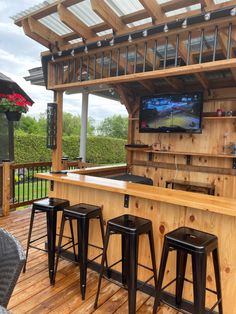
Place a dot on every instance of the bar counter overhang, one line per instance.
(167, 209)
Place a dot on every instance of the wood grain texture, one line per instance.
(165, 217)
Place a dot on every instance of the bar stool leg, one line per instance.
(29, 237)
(217, 278)
(124, 253)
(180, 274)
(199, 279)
(132, 262)
(107, 236)
(83, 231)
(51, 235)
(152, 249)
(59, 246)
(72, 238)
(101, 221)
(164, 257)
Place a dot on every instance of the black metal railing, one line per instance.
(27, 187)
(148, 55)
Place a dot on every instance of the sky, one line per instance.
(19, 53)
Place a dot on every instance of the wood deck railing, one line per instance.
(19, 187)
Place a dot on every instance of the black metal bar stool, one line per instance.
(82, 213)
(130, 227)
(198, 244)
(50, 206)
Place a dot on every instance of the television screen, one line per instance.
(171, 113)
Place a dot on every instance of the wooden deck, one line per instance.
(33, 293)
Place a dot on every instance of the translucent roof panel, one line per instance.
(124, 7)
(53, 22)
(140, 22)
(32, 9)
(84, 12)
(184, 10)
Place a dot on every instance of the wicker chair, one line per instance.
(12, 258)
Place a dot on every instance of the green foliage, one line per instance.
(115, 126)
(100, 150)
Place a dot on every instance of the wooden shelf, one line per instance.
(219, 118)
(191, 154)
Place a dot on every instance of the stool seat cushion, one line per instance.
(191, 239)
(130, 224)
(51, 203)
(82, 210)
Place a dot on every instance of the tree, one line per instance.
(28, 125)
(115, 126)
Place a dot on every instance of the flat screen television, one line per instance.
(171, 113)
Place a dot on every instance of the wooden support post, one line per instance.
(6, 187)
(57, 152)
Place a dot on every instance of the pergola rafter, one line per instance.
(136, 54)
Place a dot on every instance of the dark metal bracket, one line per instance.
(150, 156)
(51, 185)
(126, 201)
(188, 160)
(234, 163)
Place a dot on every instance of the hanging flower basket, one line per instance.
(13, 105)
(13, 115)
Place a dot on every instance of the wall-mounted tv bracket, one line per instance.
(234, 163)
(188, 160)
(126, 201)
(150, 156)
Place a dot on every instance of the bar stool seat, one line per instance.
(198, 244)
(50, 206)
(130, 227)
(82, 213)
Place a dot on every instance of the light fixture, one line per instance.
(59, 53)
(166, 29)
(72, 52)
(86, 49)
(145, 33)
(130, 38)
(207, 16)
(112, 41)
(233, 12)
(185, 23)
(99, 43)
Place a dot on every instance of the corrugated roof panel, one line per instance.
(140, 22)
(106, 32)
(53, 22)
(184, 10)
(123, 7)
(84, 12)
(32, 9)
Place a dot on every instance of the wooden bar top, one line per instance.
(220, 205)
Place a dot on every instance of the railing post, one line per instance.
(64, 161)
(6, 187)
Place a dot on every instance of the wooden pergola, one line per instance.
(167, 45)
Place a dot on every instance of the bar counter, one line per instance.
(167, 209)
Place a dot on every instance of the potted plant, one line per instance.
(13, 105)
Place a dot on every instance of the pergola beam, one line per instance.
(74, 23)
(169, 72)
(107, 14)
(44, 32)
(154, 9)
(34, 36)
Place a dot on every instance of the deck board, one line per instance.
(33, 293)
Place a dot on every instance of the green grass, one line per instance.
(33, 190)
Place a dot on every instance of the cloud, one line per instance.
(18, 54)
